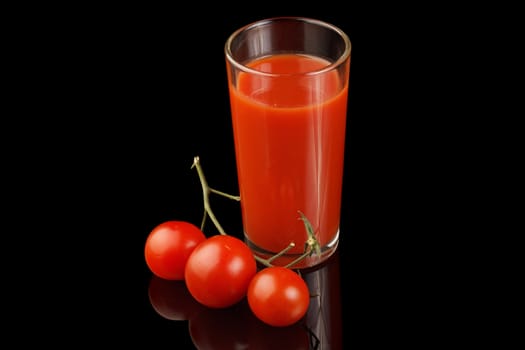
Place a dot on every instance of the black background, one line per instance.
(123, 98)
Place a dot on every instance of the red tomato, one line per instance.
(219, 271)
(278, 296)
(168, 247)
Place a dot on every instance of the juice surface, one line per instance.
(289, 134)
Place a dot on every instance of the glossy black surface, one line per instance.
(139, 95)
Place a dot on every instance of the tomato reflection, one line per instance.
(237, 328)
(221, 328)
(172, 300)
(294, 337)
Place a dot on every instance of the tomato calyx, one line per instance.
(311, 245)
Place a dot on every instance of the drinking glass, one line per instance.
(288, 83)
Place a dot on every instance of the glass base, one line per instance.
(285, 259)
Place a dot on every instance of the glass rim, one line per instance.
(340, 60)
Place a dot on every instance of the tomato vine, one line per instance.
(311, 244)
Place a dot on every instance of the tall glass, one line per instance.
(288, 86)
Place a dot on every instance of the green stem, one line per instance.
(290, 246)
(301, 257)
(235, 198)
(262, 260)
(268, 262)
(205, 194)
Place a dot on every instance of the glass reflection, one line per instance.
(324, 317)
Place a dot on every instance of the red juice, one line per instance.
(289, 134)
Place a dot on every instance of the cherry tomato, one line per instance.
(168, 247)
(219, 271)
(278, 296)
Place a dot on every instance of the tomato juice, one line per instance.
(289, 122)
